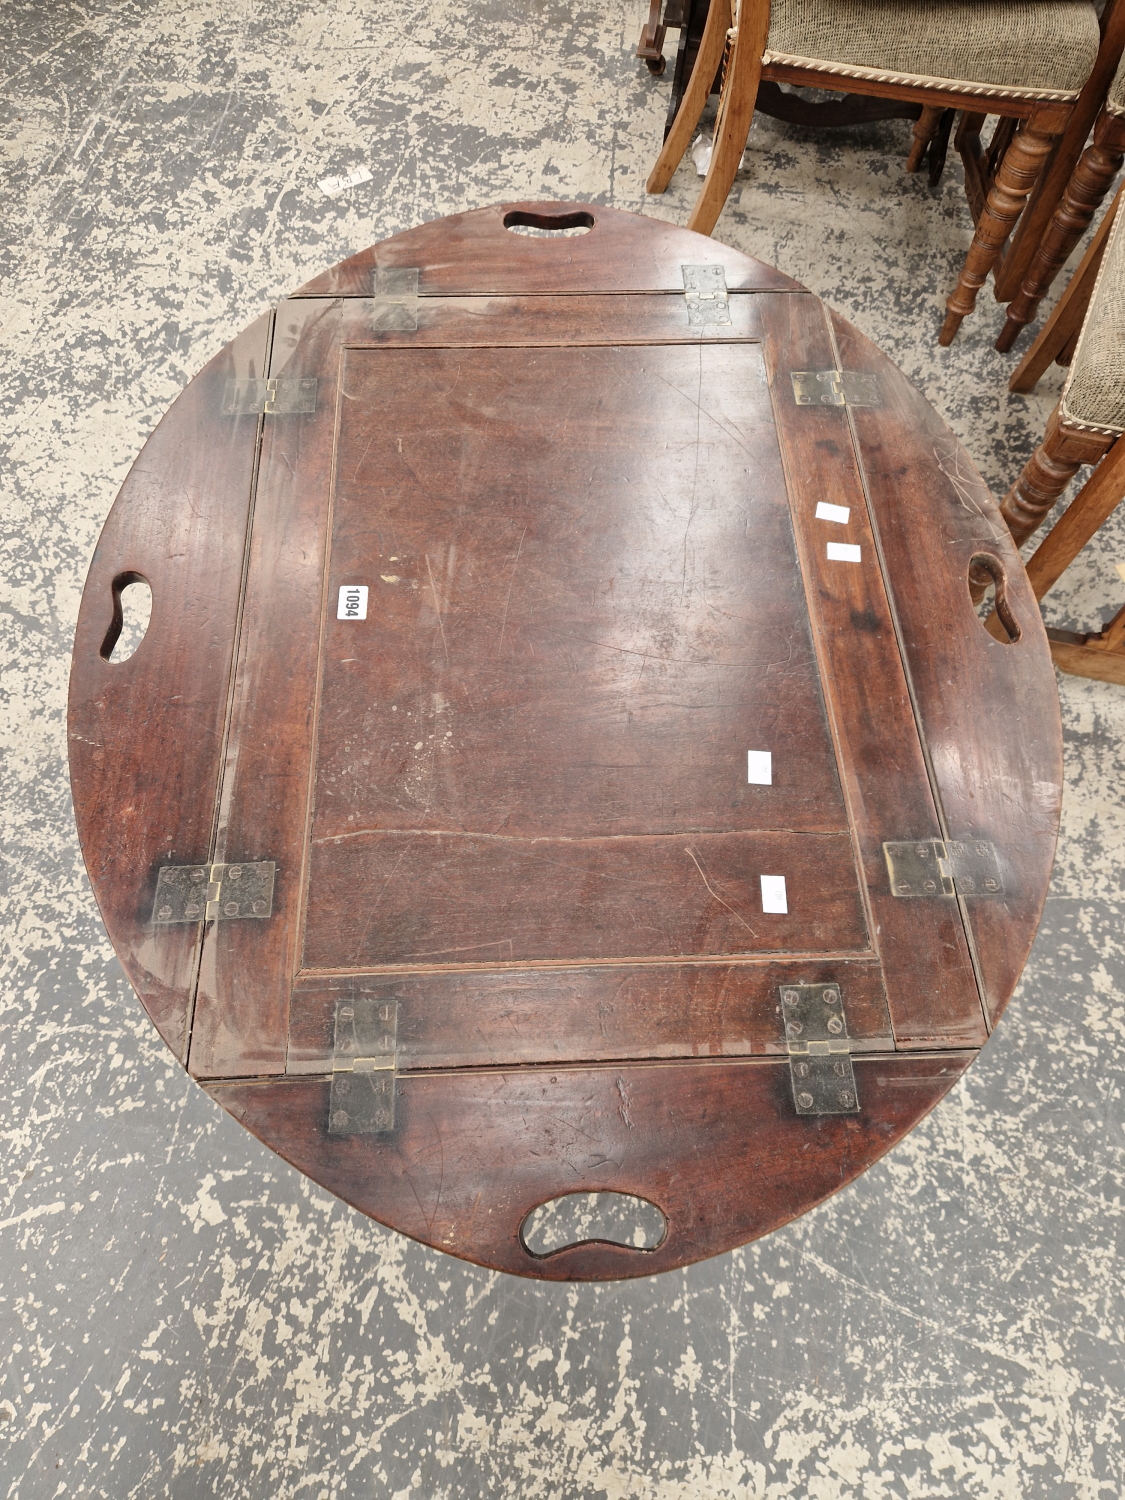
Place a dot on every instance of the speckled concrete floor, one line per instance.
(182, 1314)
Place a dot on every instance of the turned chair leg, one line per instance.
(712, 45)
(926, 126)
(1017, 175)
(1094, 503)
(1045, 475)
(1089, 184)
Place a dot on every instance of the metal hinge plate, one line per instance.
(834, 388)
(278, 397)
(820, 1064)
(705, 292)
(943, 867)
(362, 1094)
(396, 300)
(213, 893)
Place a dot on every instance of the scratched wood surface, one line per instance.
(513, 801)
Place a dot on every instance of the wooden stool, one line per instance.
(564, 755)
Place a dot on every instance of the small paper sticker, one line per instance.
(843, 552)
(759, 767)
(773, 894)
(353, 602)
(334, 185)
(826, 512)
(1121, 570)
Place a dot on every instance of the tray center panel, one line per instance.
(582, 612)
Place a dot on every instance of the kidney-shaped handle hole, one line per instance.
(544, 225)
(988, 589)
(579, 1218)
(132, 610)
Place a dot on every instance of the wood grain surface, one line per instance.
(452, 1017)
(146, 734)
(989, 712)
(514, 798)
(931, 990)
(716, 1146)
(473, 253)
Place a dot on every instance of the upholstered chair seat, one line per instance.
(1087, 427)
(1038, 49)
(1093, 397)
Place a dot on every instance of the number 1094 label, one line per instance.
(353, 602)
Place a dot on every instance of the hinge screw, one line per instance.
(805, 1101)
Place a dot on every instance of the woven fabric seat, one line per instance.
(1094, 395)
(1087, 427)
(1038, 49)
(1115, 99)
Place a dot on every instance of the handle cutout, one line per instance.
(988, 589)
(579, 1218)
(132, 610)
(548, 226)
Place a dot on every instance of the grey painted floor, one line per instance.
(182, 1314)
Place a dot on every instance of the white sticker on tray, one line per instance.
(773, 893)
(827, 512)
(353, 602)
(843, 552)
(759, 767)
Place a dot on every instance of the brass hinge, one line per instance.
(277, 397)
(396, 300)
(705, 292)
(213, 893)
(834, 388)
(362, 1094)
(820, 1063)
(943, 867)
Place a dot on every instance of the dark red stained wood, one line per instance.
(448, 1019)
(563, 666)
(146, 734)
(931, 990)
(716, 1146)
(473, 253)
(989, 711)
(561, 639)
(570, 322)
(419, 898)
(514, 799)
(242, 1006)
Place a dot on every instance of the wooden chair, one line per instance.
(1026, 63)
(1088, 185)
(1085, 428)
